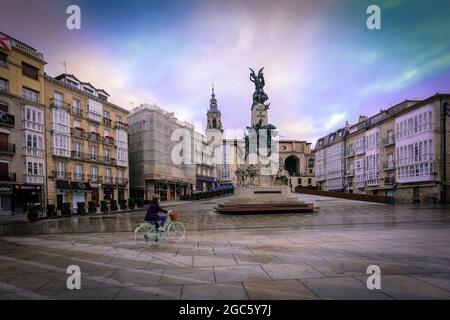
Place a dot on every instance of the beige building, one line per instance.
(22, 126)
(401, 152)
(298, 160)
(87, 141)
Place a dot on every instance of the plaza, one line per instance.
(321, 255)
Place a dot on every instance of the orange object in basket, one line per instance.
(174, 216)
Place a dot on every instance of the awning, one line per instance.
(74, 186)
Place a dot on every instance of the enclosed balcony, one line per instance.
(121, 125)
(54, 103)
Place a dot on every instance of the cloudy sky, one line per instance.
(322, 65)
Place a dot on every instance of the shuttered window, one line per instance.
(30, 71)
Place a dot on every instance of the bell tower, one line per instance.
(214, 119)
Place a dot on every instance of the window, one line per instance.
(106, 115)
(119, 118)
(3, 59)
(77, 123)
(30, 71)
(76, 107)
(60, 169)
(58, 98)
(94, 173)
(30, 94)
(93, 128)
(4, 85)
(3, 107)
(94, 153)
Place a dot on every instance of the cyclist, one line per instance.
(152, 214)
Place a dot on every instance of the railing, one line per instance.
(61, 175)
(78, 176)
(389, 180)
(390, 165)
(121, 181)
(121, 125)
(109, 160)
(7, 119)
(107, 122)
(61, 152)
(77, 112)
(78, 133)
(92, 157)
(94, 178)
(107, 179)
(95, 137)
(7, 148)
(11, 176)
(388, 140)
(60, 104)
(108, 140)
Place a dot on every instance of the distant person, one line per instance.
(152, 214)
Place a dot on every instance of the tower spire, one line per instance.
(213, 101)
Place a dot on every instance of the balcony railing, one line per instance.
(107, 122)
(107, 179)
(94, 116)
(95, 137)
(61, 175)
(121, 181)
(108, 140)
(389, 180)
(94, 178)
(78, 133)
(6, 119)
(33, 178)
(121, 125)
(92, 157)
(388, 140)
(60, 104)
(390, 165)
(35, 152)
(10, 176)
(78, 176)
(7, 148)
(77, 112)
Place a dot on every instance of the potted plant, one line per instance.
(113, 205)
(131, 203)
(92, 207)
(81, 208)
(51, 211)
(66, 210)
(123, 204)
(33, 213)
(104, 206)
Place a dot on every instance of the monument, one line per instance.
(262, 182)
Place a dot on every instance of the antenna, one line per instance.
(65, 66)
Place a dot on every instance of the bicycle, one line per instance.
(147, 231)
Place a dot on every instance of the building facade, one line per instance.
(22, 127)
(299, 161)
(401, 152)
(161, 153)
(87, 140)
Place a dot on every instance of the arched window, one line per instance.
(214, 123)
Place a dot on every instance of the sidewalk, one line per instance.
(22, 217)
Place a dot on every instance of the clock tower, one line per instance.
(214, 128)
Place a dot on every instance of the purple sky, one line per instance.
(322, 65)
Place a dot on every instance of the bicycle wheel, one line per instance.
(145, 233)
(175, 231)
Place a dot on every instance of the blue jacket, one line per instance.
(152, 212)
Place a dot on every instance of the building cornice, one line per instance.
(85, 94)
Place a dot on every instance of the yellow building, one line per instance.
(22, 126)
(87, 141)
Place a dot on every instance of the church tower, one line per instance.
(214, 119)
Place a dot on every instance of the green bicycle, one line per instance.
(147, 232)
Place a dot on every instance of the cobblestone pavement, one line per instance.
(291, 256)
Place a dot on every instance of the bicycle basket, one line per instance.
(174, 216)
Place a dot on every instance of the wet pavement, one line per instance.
(322, 255)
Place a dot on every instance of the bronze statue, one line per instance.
(259, 96)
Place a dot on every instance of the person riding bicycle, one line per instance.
(152, 214)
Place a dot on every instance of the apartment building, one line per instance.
(329, 155)
(161, 152)
(401, 151)
(87, 140)
(206, 172)
(22, 126)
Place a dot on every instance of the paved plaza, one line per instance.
(323, 255)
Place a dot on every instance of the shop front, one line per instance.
(26, 195)
(108, 192)
(72, 192)
(6, 198)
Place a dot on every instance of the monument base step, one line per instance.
(250, 208)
